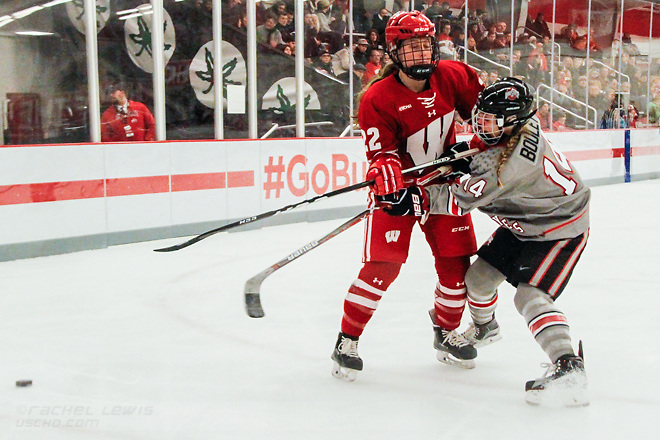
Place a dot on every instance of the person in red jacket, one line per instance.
(126, 120)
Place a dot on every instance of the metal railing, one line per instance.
(276, 127)
(540, 98)
(613, 70)
(487, 60)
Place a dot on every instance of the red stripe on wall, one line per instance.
(50, 191)
(240, 179)
(194, 182)
(645, 151)
(129, 186)
(609, 153)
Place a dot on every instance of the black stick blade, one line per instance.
(253, 305)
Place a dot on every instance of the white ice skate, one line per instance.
(563, 384)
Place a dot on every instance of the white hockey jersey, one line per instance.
(540, 195)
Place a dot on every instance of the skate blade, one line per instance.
(343, 373)
(573, 399)
(569, 391)
(487, 341)
(448, 359)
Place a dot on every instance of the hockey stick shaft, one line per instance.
(253, 285)
(265, 215)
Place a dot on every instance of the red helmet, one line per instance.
(405, 25)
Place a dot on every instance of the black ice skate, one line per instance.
(481, 335)
(347, 361)
(563, 384)
(453, 348)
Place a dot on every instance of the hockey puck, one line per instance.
(23, 383)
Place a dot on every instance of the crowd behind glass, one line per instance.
(619, 83)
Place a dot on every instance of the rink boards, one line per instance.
(64, 198)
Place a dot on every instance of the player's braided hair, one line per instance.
(510, 146)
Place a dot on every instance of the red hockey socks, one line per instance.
(450, 292)
(364, 294)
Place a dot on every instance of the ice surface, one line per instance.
(125, 343)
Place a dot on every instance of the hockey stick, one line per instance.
(264, 215)
(253, 285)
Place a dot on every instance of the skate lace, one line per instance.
(348, 347)
(471, 332)
(456, 339)
(549, 368)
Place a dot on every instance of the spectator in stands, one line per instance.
(267, 33)
(536, 68)
(286, 49)
(543, 113)
(312, 43)
(445, 10)
(500, 27)
(291, 43)
(385, 58)
(563, 100)
(278, 8)
(654, 103)
(559, 123)
(518, 68)
(654, 112)
(379, 21)
(472, 44)
(581, 42)
(358, 73)
(493, 76)
(434, 12)
(234, 12)
(489, 43)
(540, 27)
(458, 38)
(444, 32)
(339, 12)
(569, 33)
(324, 62)
(475, 32)
(632, 116)
(629, 47)
(374, 39)
(374, 64)
(615, 115)
(596, 95)
(655, 67)
(361, 52)
(483, 76)
(341, 60)
(323, 13)
(126, 120)
(285, 25)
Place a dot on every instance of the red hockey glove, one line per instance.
(408, 201)
(385, 171)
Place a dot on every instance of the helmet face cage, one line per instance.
(418, 31)
(507, 102)
(488, 126)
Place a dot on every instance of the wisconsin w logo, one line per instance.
(392, 236)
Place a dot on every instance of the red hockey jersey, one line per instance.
(418, 126)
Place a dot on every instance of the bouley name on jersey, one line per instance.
(530, 141)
